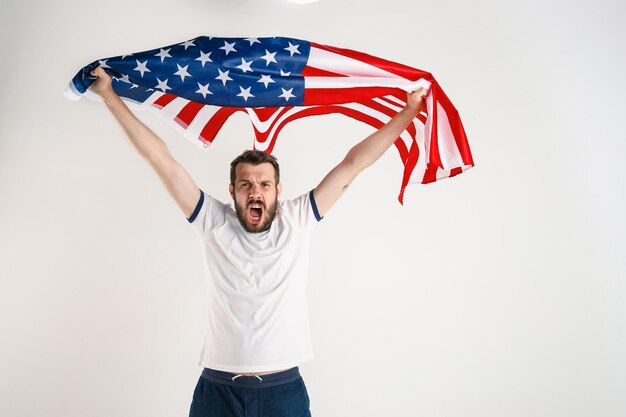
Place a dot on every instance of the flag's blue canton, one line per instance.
(236, 72)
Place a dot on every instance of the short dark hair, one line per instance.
(254, 157)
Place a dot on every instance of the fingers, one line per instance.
(417, 99)
(97, 72)
(420, 92)
(101, 81)
(418, 95)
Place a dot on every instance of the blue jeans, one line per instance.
(282, 394)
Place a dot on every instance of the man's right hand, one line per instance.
(102, 85)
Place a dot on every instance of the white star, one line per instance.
(125, 79)
(223, 76)
(252, 40)
(293, 49)
(141, 67)
(245, 93)
(164, 53)
(182, 72)
(187, 44)
(266, 79)
(286, 94)
(269, 57)
(285, 74)
(162, 85)
(124, 56)
(133, 85)
(203, 89)
(228, 47)
(204, 58)
(245, 66)
(103, 63)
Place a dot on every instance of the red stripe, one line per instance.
(430, 175)
(316, 72)
(455, 171)
(409, 166)
(313, 96)
(433, 157)
(164, 100)
(188, 113)
(216, 122)
(386, 99)
(391, 112)
(401, 95)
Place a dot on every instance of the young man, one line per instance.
(256, 256)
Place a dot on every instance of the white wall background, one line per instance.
(497, 293)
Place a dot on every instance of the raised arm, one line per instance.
(365, 153)
(151, 148)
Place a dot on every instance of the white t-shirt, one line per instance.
(256, 282)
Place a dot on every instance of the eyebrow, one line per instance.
(248, 180)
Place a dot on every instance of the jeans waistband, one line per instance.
(251, 381)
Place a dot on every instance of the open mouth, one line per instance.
(255, 212)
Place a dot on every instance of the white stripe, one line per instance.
(174, 107)
(202, 118)
(408, 140)
(71, 92)
(448, 150)
(420, 167)
(428, 128)
(263, 126)
(445, 173)
(402, 104)
(169, 113)
(153, 97)
(263, 146)
(385, 103)
(353, 82)
(340, 64)
(405, 136)
(396, 100)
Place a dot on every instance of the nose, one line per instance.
(254, 192)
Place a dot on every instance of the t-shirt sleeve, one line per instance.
(304, 209)
(316, 213)
(207, 212)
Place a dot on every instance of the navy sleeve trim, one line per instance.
(314, 206)
(197, 209)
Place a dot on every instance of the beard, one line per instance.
(256, 228)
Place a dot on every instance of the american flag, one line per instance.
(198, 84)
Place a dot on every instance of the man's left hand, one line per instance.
(416, 100)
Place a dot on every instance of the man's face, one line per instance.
(255, 194)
